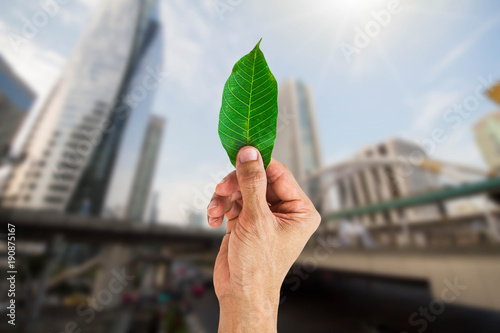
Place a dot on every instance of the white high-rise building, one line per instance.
(100, 103)
(141, 188)
(297, 143)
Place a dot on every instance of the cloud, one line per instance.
(38, 66)
(462, 48)
(459, 145)
(72, 15)
(89, 3)
(461, 148)
(190, 193)
(186, 44)
(434, 104)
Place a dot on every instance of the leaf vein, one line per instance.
(266, 119)
(237, 97)
(229, 104)
(235, 124)
(251, 91)
(268, 139)
(269, 92)
(265, 81)
(241, 86)
(239, 72)
(232, 137)
(243, 63)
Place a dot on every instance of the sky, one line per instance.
(377, 69)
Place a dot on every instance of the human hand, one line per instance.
(270, 219)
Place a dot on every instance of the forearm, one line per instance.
(248, 314)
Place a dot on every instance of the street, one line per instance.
(354, 305)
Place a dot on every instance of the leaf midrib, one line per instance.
(251, 92)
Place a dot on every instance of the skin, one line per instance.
(270, 220)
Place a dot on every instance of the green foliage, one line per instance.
(249, 111)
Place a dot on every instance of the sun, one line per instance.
(355, 7)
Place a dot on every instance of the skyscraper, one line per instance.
(297, 142)
(141, 186)
(100, 103)
(16, 99)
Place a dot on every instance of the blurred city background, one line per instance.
(109, 154)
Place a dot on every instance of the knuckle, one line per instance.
(288, 172)
(315, 219)
(253, 178)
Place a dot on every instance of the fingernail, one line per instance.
(224, 180)
(212, 204)
(212, 220)
(249, 154)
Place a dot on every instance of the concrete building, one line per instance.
(88, 125)
(374, 184)
(16, 98)
(141, 187)
(487, 131)
(297, 143)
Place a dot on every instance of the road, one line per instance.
(327, 303)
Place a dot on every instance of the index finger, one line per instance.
(283, 182)
(228, 185)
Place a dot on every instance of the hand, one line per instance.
(270, 220)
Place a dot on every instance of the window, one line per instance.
(64, 176)
(60, 188)
(91, 120)
(53, 199)
(79, 136)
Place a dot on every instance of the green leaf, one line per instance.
(249, 111)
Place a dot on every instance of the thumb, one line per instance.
(251, 178)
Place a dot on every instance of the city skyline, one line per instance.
(357, 103)
(69, 158)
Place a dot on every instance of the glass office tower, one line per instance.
(101, 101)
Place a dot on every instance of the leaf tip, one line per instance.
(258, 44)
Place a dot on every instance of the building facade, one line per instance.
(102, 98)
(16, 98)
(487, 132)
(297, 141)
(381, 182)
(141, 187)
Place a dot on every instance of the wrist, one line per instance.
(252, 312)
